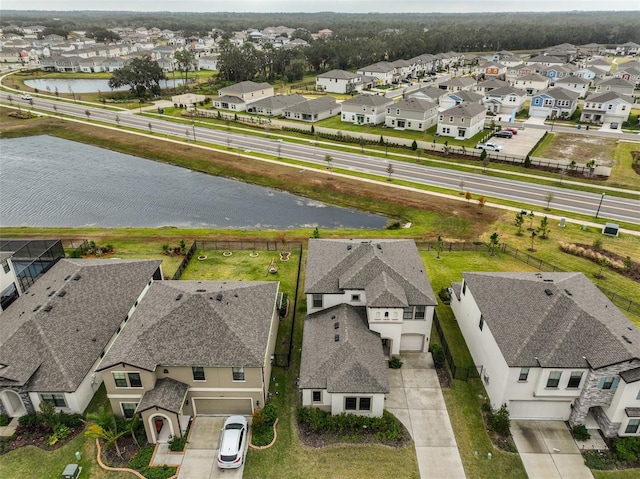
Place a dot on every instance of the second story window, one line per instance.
(238, 373)
(198, 373)
(317, 301)
(120, 379)
(524, 374)
(554, 379)
(134, 380)
(574, 380)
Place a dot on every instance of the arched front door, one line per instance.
(161, 428)
(13, 403)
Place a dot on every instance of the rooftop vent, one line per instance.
(336, 338)
(547, 280)
(568, 292)
(333, 317)
(235, 295)
(219, 297)
(51, 293)
(548, 292)
(336, 325)
(379, 246)
(48, 308)
(62, 293)
(349, 247)
(77, 277)
(179, 297)
(67, 277)
(201, 290)
(627, 339)
(36, 308)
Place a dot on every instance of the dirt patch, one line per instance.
(128, 448)
(444, 377)
(581, 149)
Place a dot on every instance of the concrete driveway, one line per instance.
(548, 450)
(415, 398)
(199, 461)
(520, 144)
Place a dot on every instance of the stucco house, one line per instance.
(54, 337)
(553, 347)
(462, 121)
(556, 102)
(429, 93)
(412, 114)
(606, 108)
(631, 74)
(193, 348)
(542, 62)
(229, 102)
(458, 84)
(491, 70)
(312, 110)
(274, 105)
(629, 48)
(365, 109)
(575, 84)
(505, 100)
(384, 73)
(247, 91)
(339, 81)
(451, 99)
(488, 85)
(617, 85)
(533, 83)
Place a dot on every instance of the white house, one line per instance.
(617, 85)
(451, 99)
(248, 91)
(339, 81)
(606, 108)
(458, 84)
(383, 72)
(532, 83)
(575, 84)
(462, 121)
(556, 102)
(365, 109)
(229, 102)
(312, 110)
(274, 105)
(412, 114)
(553, 347)
(504, 100)
(208, 62)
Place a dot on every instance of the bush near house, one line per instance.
(624, 453)
(262, 425)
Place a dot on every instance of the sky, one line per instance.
(383, 6)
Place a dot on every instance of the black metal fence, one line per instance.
(463, 373)
(452, 246)
(185, 261)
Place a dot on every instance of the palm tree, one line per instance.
(102, 425)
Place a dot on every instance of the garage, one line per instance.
(226, 406)
(549, 410)
(538, 112)
(411, 342)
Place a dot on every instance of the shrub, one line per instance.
(69, 420)
(283, 306)
(444, 295)
(395, 363)
(499, 421)
(177, 443)
(30, 420)
(486, 407)
(627, 448)
(4, 420)
(439, 358)
(597, 244)
(580, 432)
(597, 460)
(271, 413)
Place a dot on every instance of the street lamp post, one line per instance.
(600, 204)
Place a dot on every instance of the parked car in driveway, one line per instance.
(489, 146)
(503, 134)
(232, 443)
(512, 130)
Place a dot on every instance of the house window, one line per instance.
(120, 380)
(554, 379)
(365, 404)
(355, 298)
(56, 400)
(407, 313)
(350, 404)
(317, 301)
(420, 312)
(386, 315)
(134, 380)
(524, 374)
(464, 288)
(632, 426)
(608, 383)
(5, 266)
(198, 373)
(128, 409)
(357, 404)
(574, 380)
(481, 324)
(238, 373)
(316, 396)
(450, 119)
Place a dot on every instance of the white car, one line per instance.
(489, 146)
(26, 96)
(232, 443)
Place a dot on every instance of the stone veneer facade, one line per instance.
(594, 399)
(24, 395)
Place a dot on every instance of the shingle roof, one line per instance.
(338, 74)
(229, 99)
(353, 364)
(335, 265)
(52, 336)
(631, 375)
(616, 81)
(561, 94)
(466, 96)
(607, 96)
(460, 82)
(414, 104)
(278, 101)
(204, 323)
(467, 110)
(506, 90)
(533, 77)
(573, 79)
(245, 87)
(430, 91)
(315, 105)
(571, 322)
(168, 394)
(368, 100)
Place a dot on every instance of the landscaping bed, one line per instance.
(621, 264)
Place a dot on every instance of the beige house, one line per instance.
(193, 348)
(248, 91)
(462, 121)
(412, 114)
(532, 84)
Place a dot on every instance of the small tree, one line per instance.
(604, 262)
(484, 156)
(519, 223)
(316, 233)
(533, 237)
(439, 246)
(494, 240)
(481, 201)
(549, 198)
(467, 196)
(628, 264)
(461, 184)
(527, 162)
(88, 113)
(328, 159)
(572, 166)
(531, 215)
(150, 127)
(390, 171)
(414, 145)
(544, 229)
(381, 142)
(118, 120)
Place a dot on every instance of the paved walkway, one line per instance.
(9, 429)
(415, 398)
(548, 450)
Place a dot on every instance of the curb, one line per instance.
(275, 436)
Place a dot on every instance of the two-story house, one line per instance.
(552, 346)
(451, 99)
(488, 85)
(458, 84)
(365, 109)
(339, 81)
(384, 73)
(617, 85)
(412, 114)
(193, 348)
(606, 108)
(504, 100)
(553, 103)
(462, 121)
(575, 84)
(366, 301)
(247, 91)
(532, 83)
(491, 70)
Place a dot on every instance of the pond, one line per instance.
(82, 85)
(49, 182)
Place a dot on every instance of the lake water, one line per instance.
(77, 85)
(46, 181)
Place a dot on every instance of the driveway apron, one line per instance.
(415, 398)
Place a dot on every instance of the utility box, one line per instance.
(72, 471)
(611, 229)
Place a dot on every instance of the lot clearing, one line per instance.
(579, 148)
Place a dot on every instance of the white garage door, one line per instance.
(411, 342)
(537, 112)
(551, 410)
(224, 406)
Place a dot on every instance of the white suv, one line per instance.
(26, 96)
(232, 443)
(489, 147)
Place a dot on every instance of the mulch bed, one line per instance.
(127, 447)
(32, 436)
(444, 377)
(504, 443)
(633, 274)
(321, 439)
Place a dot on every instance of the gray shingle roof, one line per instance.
(631, 375)
(573, 79)
(562, 329)
(533, 77)
(335, 265)
(368, 100)
(353, 364)
(183, 323)
(338, 75)
(168, 394)
(561, 94)
(616, 81)
(414, 104)
(467, 96)
(52, 336)
(245, 87)
(315, 105)
(278, 101)
(506, 90)
(466, 110)
(229, 99)
(608, 96)
(461, 82)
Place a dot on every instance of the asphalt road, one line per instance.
(531, 194)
